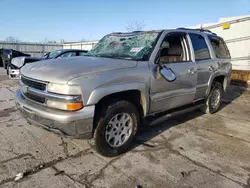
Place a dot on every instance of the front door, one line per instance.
(174, 53)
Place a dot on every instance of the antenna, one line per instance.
(201, 27)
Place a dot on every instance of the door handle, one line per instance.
(192, 70)
(211, 68)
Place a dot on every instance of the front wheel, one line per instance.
(7, 69)
(1, 62)
(213, 100)
(116, 128)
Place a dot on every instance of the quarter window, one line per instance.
(201, 50)
(219, 47)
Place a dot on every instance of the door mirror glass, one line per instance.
(167, 73)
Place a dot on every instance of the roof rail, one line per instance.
(200, 30)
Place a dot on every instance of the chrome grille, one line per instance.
(33, 83)
(28, 84)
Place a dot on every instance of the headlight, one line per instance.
(18, 61)
(64, 105)
(64, 89)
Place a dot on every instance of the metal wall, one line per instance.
(80, 45)
(34, 49)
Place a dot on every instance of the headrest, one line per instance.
(165, 44)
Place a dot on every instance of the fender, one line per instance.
(214, 75)
(100, 92)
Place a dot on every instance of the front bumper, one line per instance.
(77, 124)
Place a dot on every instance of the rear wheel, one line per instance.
(213, 100)
(116, 128)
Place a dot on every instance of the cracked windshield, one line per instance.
(133, 46)
(124, 94)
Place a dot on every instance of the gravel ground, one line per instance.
(191, 150)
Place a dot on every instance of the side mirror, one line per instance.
(167, 73)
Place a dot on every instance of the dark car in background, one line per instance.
(6, 56)
(19, 62)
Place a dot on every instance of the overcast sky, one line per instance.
(73, 20)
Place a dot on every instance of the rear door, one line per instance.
(204, 61)
(164, 94)
(222, 55)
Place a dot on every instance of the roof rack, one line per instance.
(200, 30)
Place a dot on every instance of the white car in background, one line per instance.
(19, 62)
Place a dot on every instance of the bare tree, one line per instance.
(45, 41)
(12, 39)
(135, 26)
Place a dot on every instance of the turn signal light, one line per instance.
(74, 106)
(64, 106)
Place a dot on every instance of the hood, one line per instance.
(62, 70)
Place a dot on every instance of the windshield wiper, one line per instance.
(117, 56)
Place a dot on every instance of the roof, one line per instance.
(159, 31)
(134, 33)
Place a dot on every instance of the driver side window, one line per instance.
(174, 48)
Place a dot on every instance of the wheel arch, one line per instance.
(220, 77)
(137, 93)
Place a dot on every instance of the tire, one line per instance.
(213, 100)
(116, 128)
(1, 62)
(7, 70)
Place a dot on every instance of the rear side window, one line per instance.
(220, 48)
(201, 50)
(6, 52)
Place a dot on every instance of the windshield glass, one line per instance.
(53, 54)
(136, 46)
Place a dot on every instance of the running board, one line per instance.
(163, 116)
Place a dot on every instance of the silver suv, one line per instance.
(125, 79)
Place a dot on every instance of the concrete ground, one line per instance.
(3, 75)
(192, 150)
